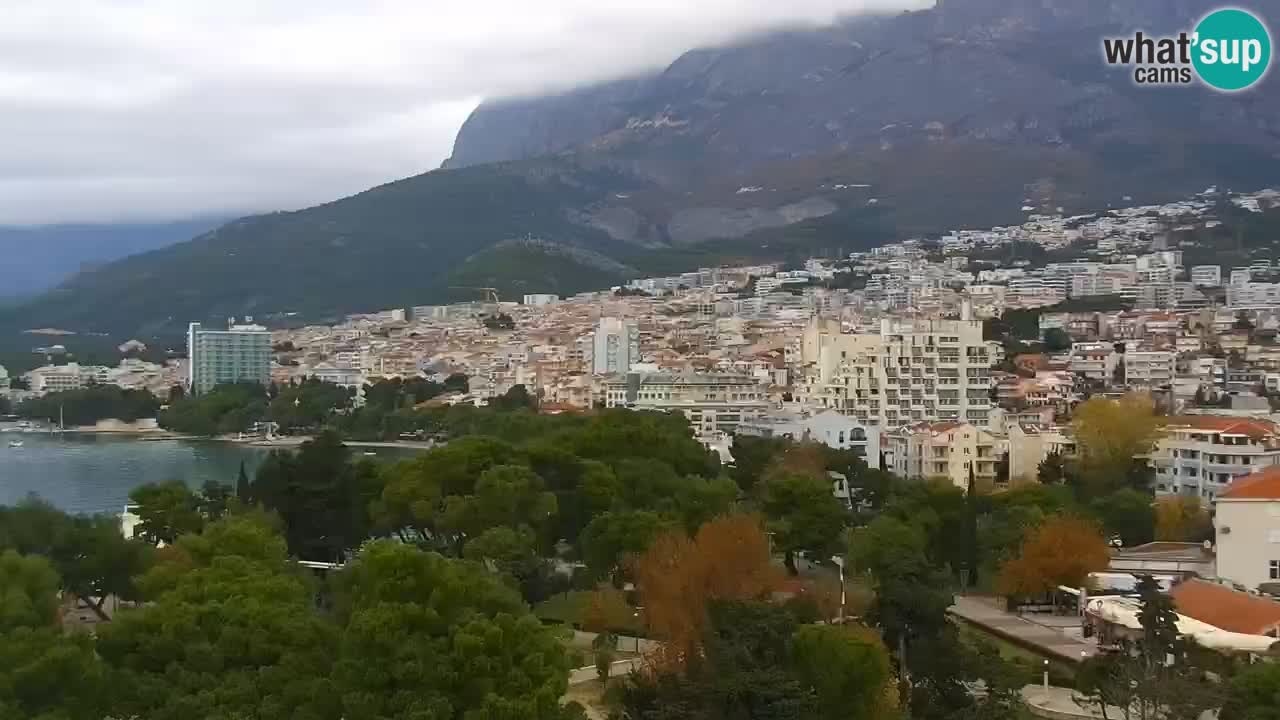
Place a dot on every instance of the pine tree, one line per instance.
(243, 489)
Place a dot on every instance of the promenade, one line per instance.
(1049, 635)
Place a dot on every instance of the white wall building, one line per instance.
(1200, 455)
(714, 404)
(1149, 368)
(827, 427)
(1206, 275)
(241, 353)
(1247, 528)
(910, 371)
(615, 346)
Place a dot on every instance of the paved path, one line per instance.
(1017, 629)
(1059, 703)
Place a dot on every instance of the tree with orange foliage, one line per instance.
(1062, 551)
(678, 576)
(606, 610)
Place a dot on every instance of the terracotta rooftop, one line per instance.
(1251, 427)
(1226, 608)
(1262, 485)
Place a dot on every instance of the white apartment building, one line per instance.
(55, 378)
(1096, 361)
(714, 404)
(1200, 455)
(1206, 275)
(540, 299)
(615, 346)
(1247, 528)
(943, 450)
(241, 353)
(1252, 294)
(1149, 368)
(827, 427)
(910, 371)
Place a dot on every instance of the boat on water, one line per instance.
(15, 443)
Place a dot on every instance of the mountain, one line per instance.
(835, 138)
(38, 258)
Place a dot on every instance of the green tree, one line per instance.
(803, 515)
(1128, 514)
(911, 595)
(1254, 694)
(751, 455)
(611, 537)
(848, 668)
(46, 674)
(93, 560)
(321, 496)
(165, 511)
(230, 631)
(86, 406)
(1056, 340)
(1053, 469)
(28, 592)
(423, 636)
(244, 491)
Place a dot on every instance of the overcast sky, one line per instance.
(159, 109)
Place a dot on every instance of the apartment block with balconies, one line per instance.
(948, 450)
(1201, 455)
(909, 372)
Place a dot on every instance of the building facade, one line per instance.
(827, 427)
(1154, 368)
(910, 371)
(615, 346)
(714, 404)
(241, 353)
(1247, 528)
(950, 451)
(1201, 455)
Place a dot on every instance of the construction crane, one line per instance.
(490, 294)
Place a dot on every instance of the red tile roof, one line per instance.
(1262, 485)
(1225, 608)
(1251, 427)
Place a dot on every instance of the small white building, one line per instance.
(1247, 525)
(827, 427)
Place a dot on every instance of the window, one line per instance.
(1275, 570)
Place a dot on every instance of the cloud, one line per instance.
(156, 109)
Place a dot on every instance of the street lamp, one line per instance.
(1046, 678)
(839, 561)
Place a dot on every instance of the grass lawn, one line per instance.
(567, 608)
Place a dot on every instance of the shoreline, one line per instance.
(156, 434)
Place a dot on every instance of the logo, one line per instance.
(1229, 50)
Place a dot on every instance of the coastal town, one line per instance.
(919, 359)
(879, 345)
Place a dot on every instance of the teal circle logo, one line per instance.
(1231, 49)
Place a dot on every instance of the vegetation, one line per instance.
(1062, 551)
(1161, 678)
(224, 409)
(86, 406)
(1109, 434)
(443, 553)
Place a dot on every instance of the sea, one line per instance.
(81, 473)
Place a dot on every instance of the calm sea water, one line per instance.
(88, 474)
